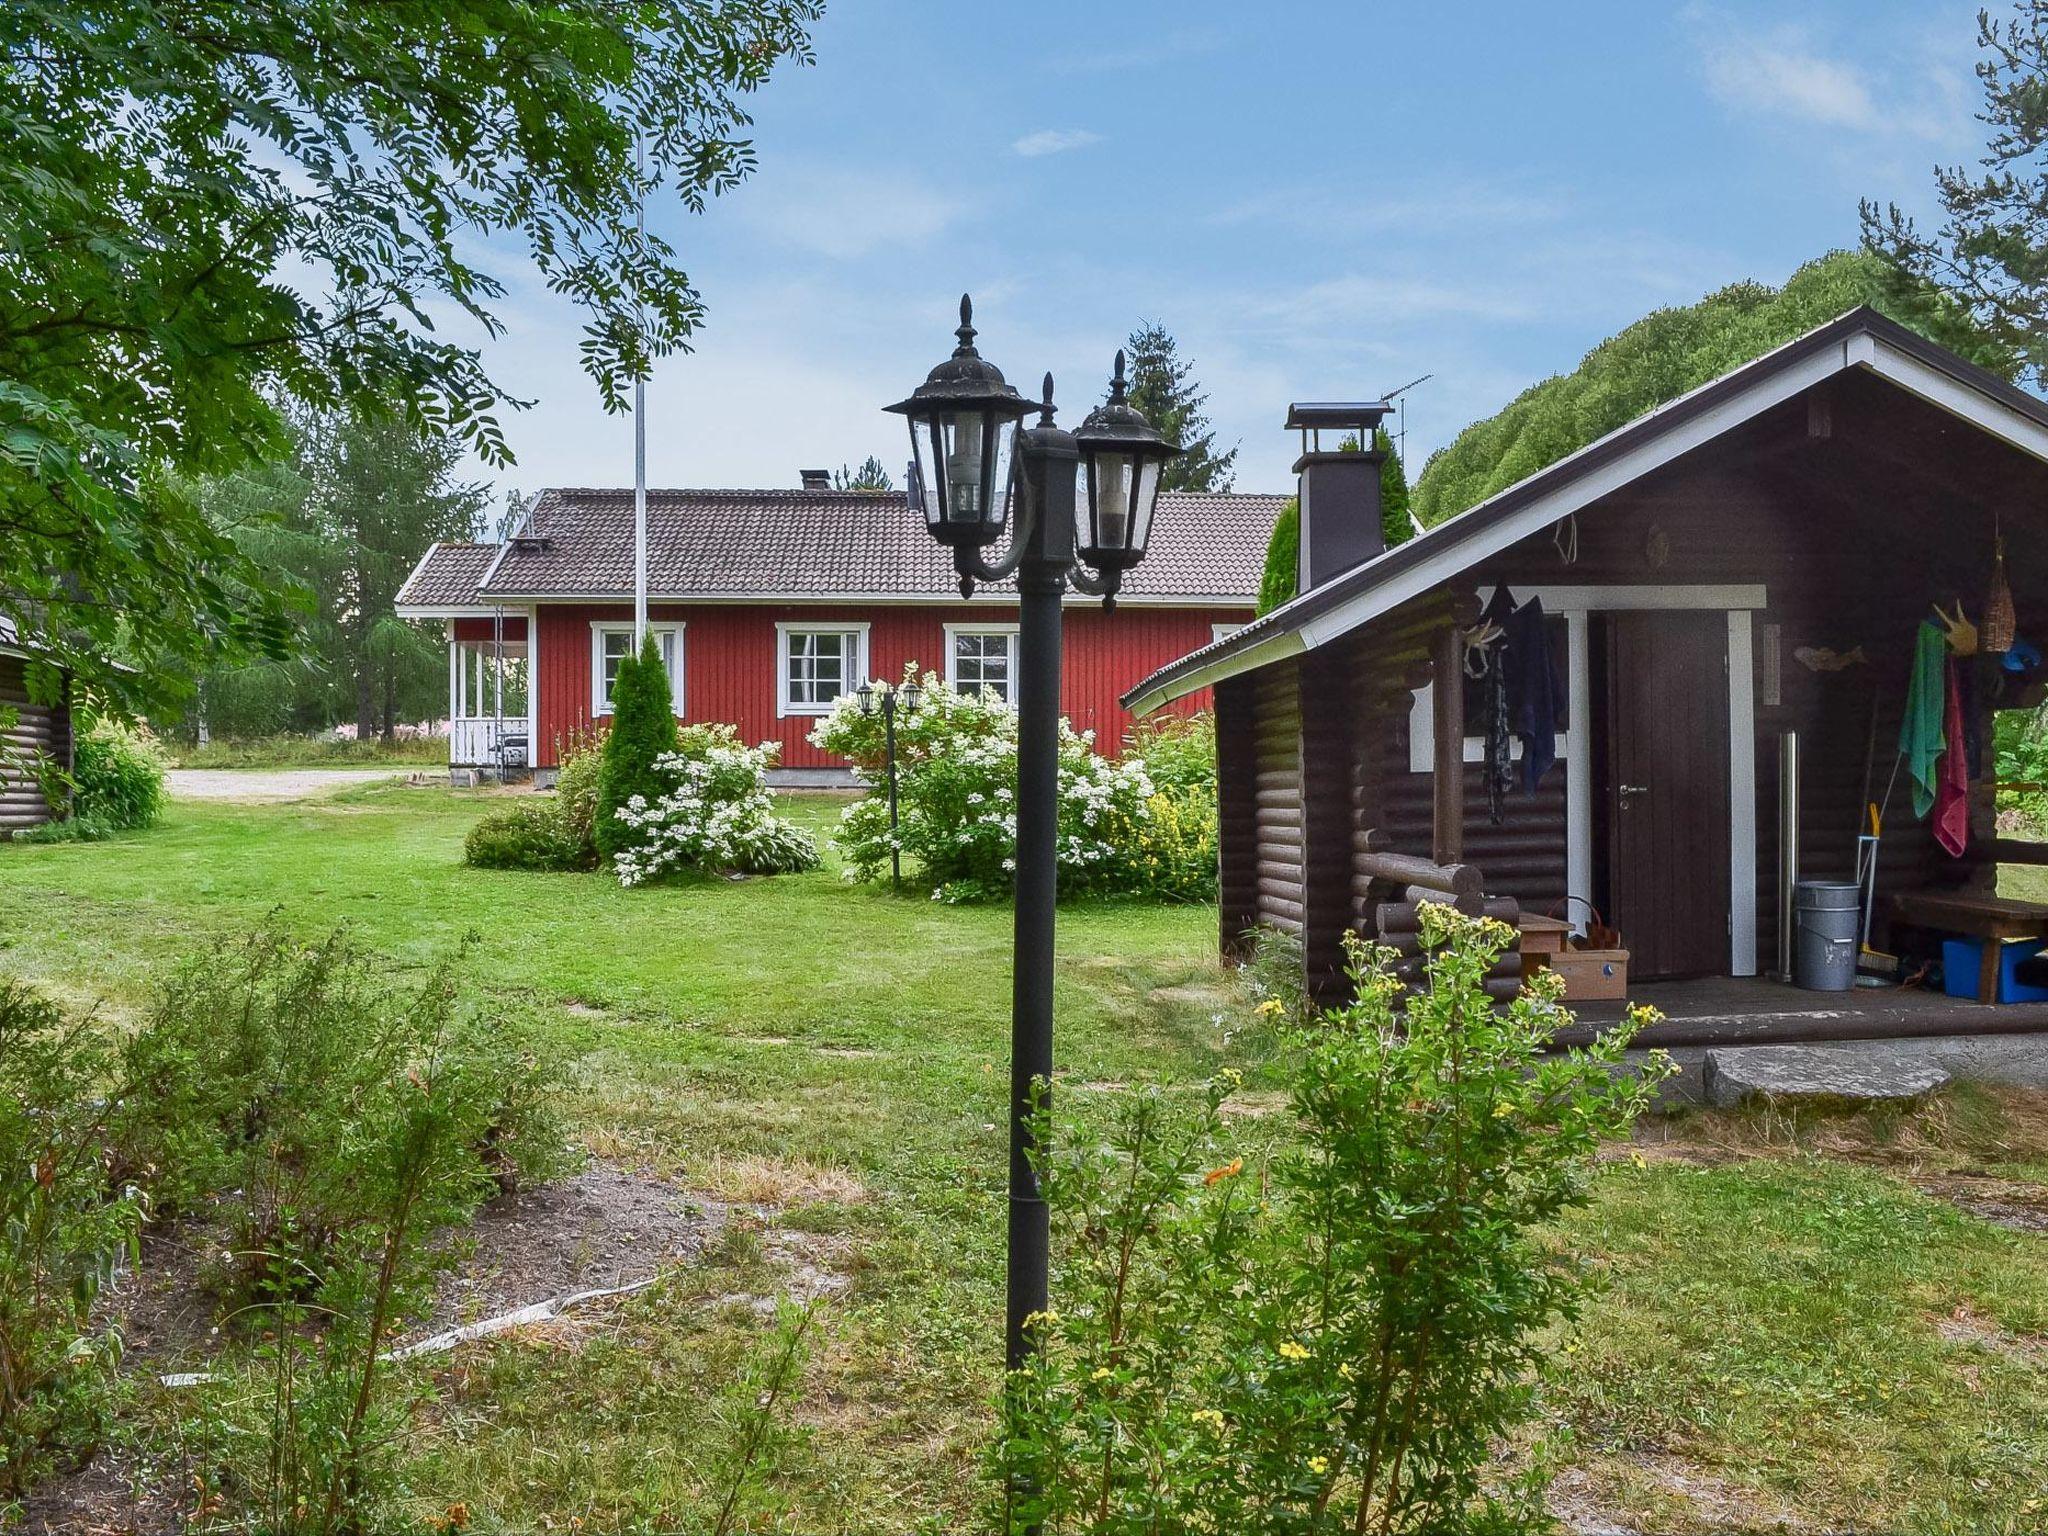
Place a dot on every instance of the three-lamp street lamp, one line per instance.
(1077, 507)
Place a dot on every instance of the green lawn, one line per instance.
(1790, 1331)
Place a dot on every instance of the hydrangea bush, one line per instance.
(956, 759)
(716, 813)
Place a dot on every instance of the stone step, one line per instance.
(1859, 1072)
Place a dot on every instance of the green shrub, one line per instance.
(332, 1122)
(117, 775)
(1179, 752)
(714, 811)
(643, 730)
(1345, 1337)
(582, 765)
(63, 1225)
(528, 834)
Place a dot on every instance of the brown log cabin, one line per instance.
(1748, 562)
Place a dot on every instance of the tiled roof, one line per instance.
(448, 576)
(812, 544)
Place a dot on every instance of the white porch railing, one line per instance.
(474, 743)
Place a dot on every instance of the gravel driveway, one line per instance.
(269, 783)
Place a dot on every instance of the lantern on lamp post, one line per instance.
(1078, 511)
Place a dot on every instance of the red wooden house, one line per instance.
(768, 604)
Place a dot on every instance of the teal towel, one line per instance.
(1920, 736)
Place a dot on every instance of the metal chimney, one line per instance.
(1339, 487)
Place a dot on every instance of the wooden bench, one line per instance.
(1993, 919)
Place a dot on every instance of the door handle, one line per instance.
(1630, 791)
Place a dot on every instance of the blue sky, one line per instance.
(1319, 200)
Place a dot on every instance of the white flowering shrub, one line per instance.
(716, 814)
(956, 760)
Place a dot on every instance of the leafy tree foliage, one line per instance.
(1991, 251)
(1674, 350)
(1164, 388)
(210, 207)
(342, 522)
(643, 729)
(871, 476)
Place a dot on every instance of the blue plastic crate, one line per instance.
(1961, 957)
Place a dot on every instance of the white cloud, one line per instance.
(1904, 84)
(842, 214)
(1054, 141)
(1777, 75)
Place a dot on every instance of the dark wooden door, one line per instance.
(1667, 783)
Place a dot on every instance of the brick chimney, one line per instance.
(1340, 488)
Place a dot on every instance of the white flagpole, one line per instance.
(640, 452)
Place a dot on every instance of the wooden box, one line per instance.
(1592, 975)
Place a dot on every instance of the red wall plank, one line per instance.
(729, 657)
(481, 629)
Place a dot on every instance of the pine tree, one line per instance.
(871, 476)
(1988, 263)
(643, 728)
(1164, 388)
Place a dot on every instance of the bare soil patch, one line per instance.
(597, 1229)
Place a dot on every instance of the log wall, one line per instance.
(39, 729)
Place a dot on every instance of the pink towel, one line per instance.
(1952, 776)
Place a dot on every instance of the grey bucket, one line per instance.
(1826, 917)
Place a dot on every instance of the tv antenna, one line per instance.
(1401, 437)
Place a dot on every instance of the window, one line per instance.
(818, 665)
(983, 657)
(610, 644)
(1222, 631)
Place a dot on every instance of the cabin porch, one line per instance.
(1753, 1010)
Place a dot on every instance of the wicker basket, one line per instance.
(1999, 626)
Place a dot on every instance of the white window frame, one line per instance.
(856, 669)
(955, 631)
(600, 706)
(1218, 632)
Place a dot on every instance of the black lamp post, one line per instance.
(1085, 496)
(909, 694)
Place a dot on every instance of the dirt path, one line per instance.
(270, 783)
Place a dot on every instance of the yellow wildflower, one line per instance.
(1344, 1370)
(1208, 1416)
(1319, 1465)
(1101, 1373)
(1231, 1077)
(1271, 1008)
(1293, 1351)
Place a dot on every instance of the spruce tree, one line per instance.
(1164, 388)
(871, 476)
(643, 729)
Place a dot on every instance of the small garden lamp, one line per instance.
(866, 694)
(1121, 462)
